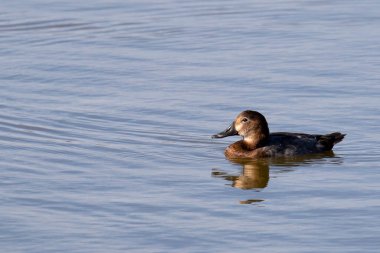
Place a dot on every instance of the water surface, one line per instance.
(106, 113)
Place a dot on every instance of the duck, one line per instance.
(258, 142)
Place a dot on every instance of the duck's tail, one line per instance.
(328, 141)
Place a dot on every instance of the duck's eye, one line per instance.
(244, 120)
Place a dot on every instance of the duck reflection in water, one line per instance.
(255, 172)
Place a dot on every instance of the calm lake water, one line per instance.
(107, 108)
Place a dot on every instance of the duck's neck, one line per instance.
(259, 138)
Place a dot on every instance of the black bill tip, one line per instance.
(216, 136)
(228, 132)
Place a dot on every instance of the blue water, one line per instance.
(107, 108)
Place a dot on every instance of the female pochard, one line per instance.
(258, 142)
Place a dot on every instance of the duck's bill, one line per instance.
(228, 132)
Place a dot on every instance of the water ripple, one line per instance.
(106, 113)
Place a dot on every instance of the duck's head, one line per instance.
(247, 124)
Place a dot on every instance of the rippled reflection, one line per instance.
(254, 173)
